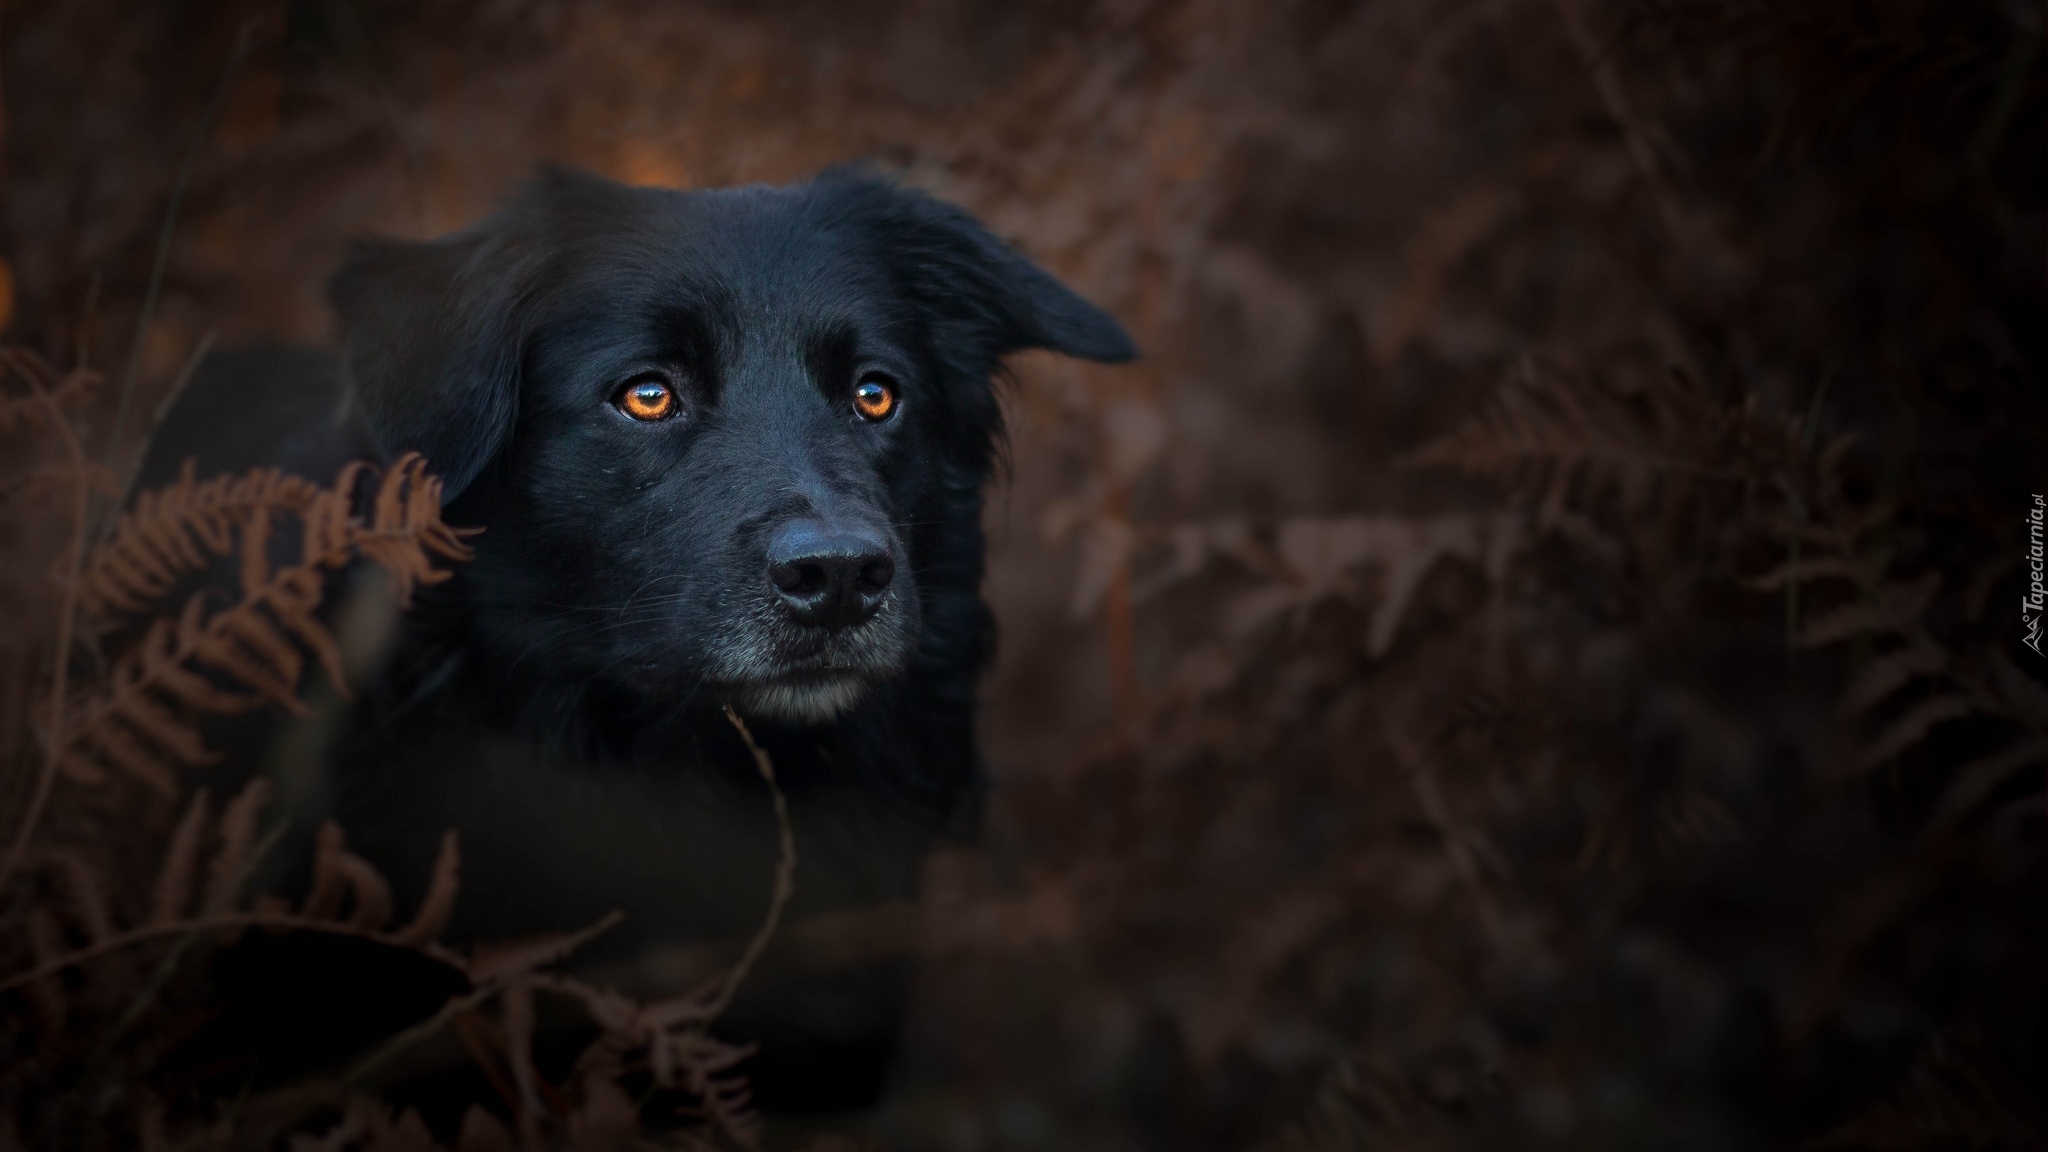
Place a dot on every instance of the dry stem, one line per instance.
(53, 748)
(785, 870)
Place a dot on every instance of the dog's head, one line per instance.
(717, 438)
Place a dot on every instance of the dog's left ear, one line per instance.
(986, 298)
(429, 334)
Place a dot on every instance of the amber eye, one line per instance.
(874, 397)
(648, 400)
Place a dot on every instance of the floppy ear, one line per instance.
(432, 343)
(985, 297)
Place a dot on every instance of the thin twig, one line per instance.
(1615, 97)
(1420, 768)
(1799, 514)
(469, 1000)
(146, 995)
(163, 240)
(285, 921)
(785, 870)
(67, 619)
(423, 1030)
(156, 422)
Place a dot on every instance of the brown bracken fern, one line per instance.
(250, 653)
(1906, 680)
(97, 939)
(1562, 437)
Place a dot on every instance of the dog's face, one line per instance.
(716, 439)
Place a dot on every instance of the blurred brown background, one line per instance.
(1492, 797)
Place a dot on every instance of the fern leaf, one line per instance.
(46, 943)
(339, 875)
(1912, 726)
(1981, 777)
(293, 604)
(432, 917)
(2023, 697)
(49, 387)
(1891, 609)
(180, 867)
(247, 644)
(79, 770)
(608, 1117)
(1890, 672)
(86, 891)
(493, 963)
(483, 1132)
(1861, 570)
(328, 522)
(150, 718)
(253, 651)
(406, 533)
(518, 1021)
(1552, 431)
(323, 899)
(33, 484)
(1944, 1102)
(159, 663)
(223, 643)
(255, 570)
(119, 748)
(370, 891)
(237, 841)
(178, 530)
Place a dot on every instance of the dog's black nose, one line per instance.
(829, 575)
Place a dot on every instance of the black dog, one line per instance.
(727, 447)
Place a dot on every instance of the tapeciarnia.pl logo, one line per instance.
(2037, 596)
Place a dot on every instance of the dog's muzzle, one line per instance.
(832, 620)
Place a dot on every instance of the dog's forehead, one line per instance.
(760, 247)
(734, 275)
(748, 254)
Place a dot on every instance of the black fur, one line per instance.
(494, 352)
(558, 701)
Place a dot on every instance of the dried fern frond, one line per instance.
(497, 962)
(1910, 77)
(1890, 672)
(141, 721)
(46, 991)
(37, 483)
(431, 918)
(669, 1039)
(85, 892)
(1945, 1101)
(340, 875)
(65, 390)
(370, 1125)
(179, 529)
(1365, 1109)
(404, 533)
(1555, 434)
(232, 863)
(1886, 616)
(175, 877)
(221, 911)
(1912, 726)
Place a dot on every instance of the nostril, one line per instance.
(798, 578)
(877, 572)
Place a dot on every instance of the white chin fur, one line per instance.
(799, 703)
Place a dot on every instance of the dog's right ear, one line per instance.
(431, 337)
